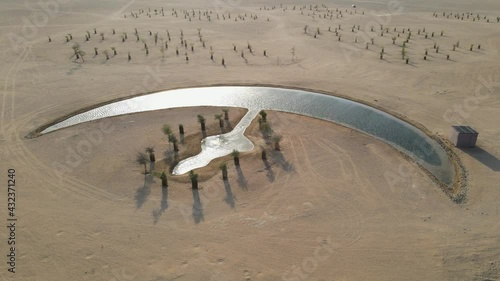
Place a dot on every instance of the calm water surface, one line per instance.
(374, 122)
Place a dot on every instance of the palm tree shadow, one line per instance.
(171, 158)
(242, 181)
(197, 207)
(163, 206)
(169, 155)
(269, 171)
(142, 192)
(229, 194)
(278, 158)
(228, 124)
(483, 156)
(72, 70)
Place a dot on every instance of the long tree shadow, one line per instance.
(228, 124)
(163, 205)
(142, 192)
(279, 159)
(169, 155)
(229, 194)
(269, 171)
(483, 156)
(171, 158)
(242, 181)
(197, 207)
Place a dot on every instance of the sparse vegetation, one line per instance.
(263, 114)
(194, 179)
(164, 181)
(236, 157)
(223, 168)
(151, 151)
(221, 121)
(201, 120)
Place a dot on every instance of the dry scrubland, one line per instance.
(333, 204)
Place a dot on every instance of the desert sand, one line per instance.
(333, 204)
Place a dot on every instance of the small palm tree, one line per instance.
(102, 35)
(162, 50)
(263, 114)
(151, 151)
(276, 140)
(194, 179)
(141, 159)
(223, 168)
(173, 139)
(166, 129)
(236, 157)
(114, 50)
(81, 54)
(75, 48)
(261, 122)
(221, 121)
(163, 177)
(95, 51)
(106, 53)
(201, 120)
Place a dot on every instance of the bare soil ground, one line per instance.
(333, 204)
